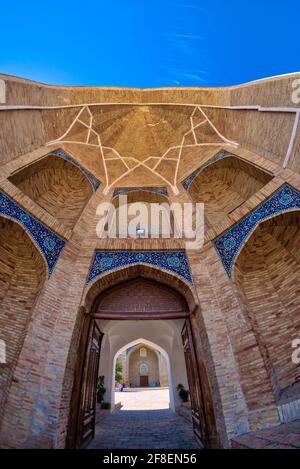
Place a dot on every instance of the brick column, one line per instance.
(210, 328)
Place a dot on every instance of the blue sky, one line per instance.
(149, 43)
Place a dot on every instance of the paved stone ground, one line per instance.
(283, 436)
(143, 429)
(152, 428)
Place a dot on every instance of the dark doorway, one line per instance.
(201, 400)
(82, 423)
(121, 303)
(144, 381)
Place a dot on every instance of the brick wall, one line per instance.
(142, 295)
(268, 279)
(22, 274)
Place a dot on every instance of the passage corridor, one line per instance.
(129, 428)
(143, 429)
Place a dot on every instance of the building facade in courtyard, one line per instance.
(143, 367)
(223, 316)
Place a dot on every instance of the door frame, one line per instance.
(206, 432)
(87, 323)
(89, 381)
(87, 320)
(146, 378)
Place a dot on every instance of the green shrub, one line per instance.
(118, 372)
(100, 389)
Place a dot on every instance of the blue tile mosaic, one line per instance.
(125, 190)
(229, 244)
(173, 261)
(91, 178)
(49, 243)
(219, 156)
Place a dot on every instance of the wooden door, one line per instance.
(196, 395)
(87, 402)
(144, 381)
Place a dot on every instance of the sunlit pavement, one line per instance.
(137, 399)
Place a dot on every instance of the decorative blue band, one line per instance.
(125, 190)
(91, 178)
(49, 244)
(219, 156)
(173, 261)
(229, 244)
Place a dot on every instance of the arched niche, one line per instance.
(157, 221)
(267, 279)
(57, 186)
(104, 282)
(140, 296)
(22, 274)
(225, 185)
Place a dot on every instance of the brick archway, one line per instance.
(22, 275)
(155, 348)
(107, 295)
(266, 275)
(56, 185)
(140, 298)
(224, 185)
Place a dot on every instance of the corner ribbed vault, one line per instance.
(57, 186)
(225, 185)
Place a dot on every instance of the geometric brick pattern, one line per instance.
(285, 436)
(141, 294)
(57, 185)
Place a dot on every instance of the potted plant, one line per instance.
(100, 389)
(105, 405)
(183, 393)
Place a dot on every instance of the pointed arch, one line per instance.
(57, 185)
(223, 184)
(104, 282)
(266, 274)
(23, 272)
(153, 346)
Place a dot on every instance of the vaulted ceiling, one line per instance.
(151, 143)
